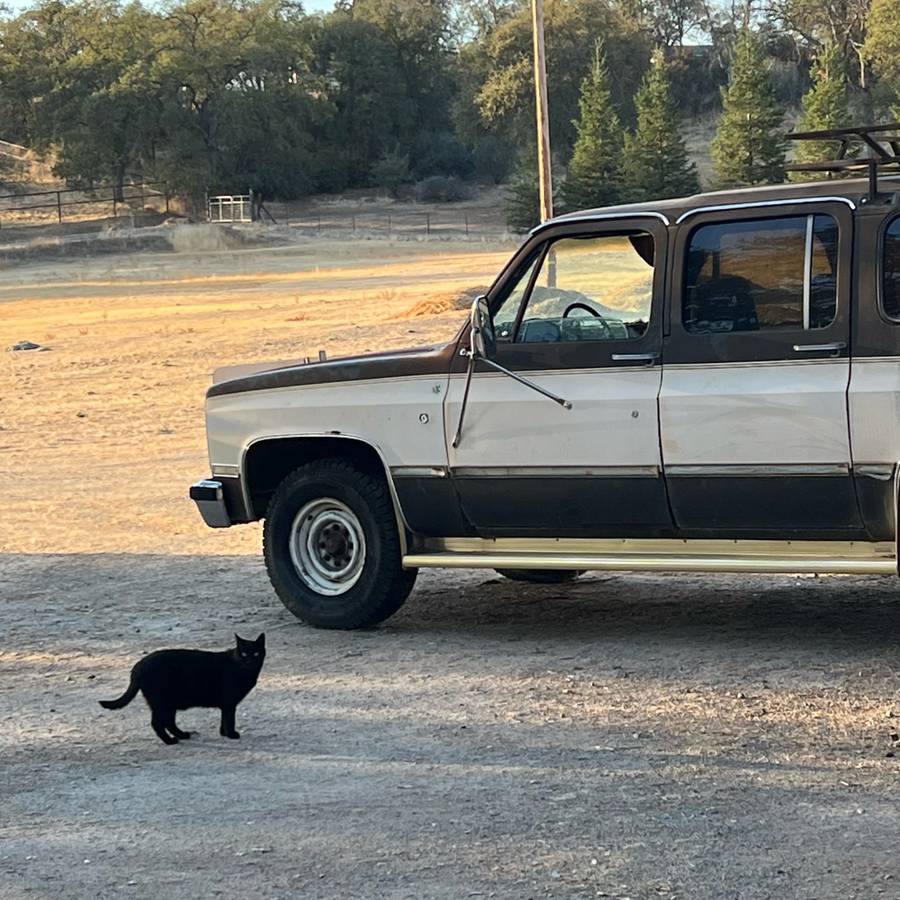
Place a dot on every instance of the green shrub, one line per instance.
(441, 189)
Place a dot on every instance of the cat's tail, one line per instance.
(125, 699)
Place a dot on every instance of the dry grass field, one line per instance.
(626, 736)
(133, 340)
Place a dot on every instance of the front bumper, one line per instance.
(210, 500)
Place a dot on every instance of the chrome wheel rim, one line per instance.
(328, 547)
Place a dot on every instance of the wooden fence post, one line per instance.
(59, 206)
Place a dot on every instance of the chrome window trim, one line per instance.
(807, 271)
(762, 204)
(599, 217)
(875, 360)
(588, 371)
(624, 471)
(806, 299)
(636, 370)
(883, 231)
(762, 470)
(752, 364)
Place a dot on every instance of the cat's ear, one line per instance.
(261, 640)
(238, 639)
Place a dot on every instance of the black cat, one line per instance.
(171, 680)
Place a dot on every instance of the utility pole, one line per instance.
(543, 124)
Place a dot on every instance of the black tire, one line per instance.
(383, 585)
(541, 576)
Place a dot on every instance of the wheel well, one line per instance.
(267, 463)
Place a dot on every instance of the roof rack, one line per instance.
(880, 142)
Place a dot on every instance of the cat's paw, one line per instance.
(234, 735)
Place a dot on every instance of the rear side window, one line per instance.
(890, 279)
(761, 275)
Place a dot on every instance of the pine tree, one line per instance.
(391, 171)
(594, 176)
(656, 163)
(824, 106)
(749, 147)
(882, 46)
(523, 205)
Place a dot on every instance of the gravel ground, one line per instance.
(626, 736)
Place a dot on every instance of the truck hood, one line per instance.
(294, 373)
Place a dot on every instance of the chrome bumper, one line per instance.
(210, 500)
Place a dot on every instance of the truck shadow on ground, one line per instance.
(816, 613)
(152, 596)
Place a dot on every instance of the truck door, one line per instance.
(579, 313)
(753, 407)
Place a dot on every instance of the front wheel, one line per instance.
(541, 576)
(332, 547)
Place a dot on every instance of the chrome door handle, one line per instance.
(836, 347)
(648, 358)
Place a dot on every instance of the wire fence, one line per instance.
(69, 205)
(464, 224)
(72, 203)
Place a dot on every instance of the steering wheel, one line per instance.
(579, 305)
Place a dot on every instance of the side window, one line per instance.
(890, 278)
(593, 288)
(761, 275)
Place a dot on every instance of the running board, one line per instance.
(774, 557)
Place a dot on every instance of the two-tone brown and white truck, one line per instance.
(703, 384)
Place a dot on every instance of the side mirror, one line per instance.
(481, 334)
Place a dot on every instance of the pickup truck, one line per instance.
(696, 385)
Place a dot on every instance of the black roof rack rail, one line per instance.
(881, 143)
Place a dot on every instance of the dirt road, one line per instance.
(627, 736)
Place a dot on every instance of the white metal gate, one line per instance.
(230, 208)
